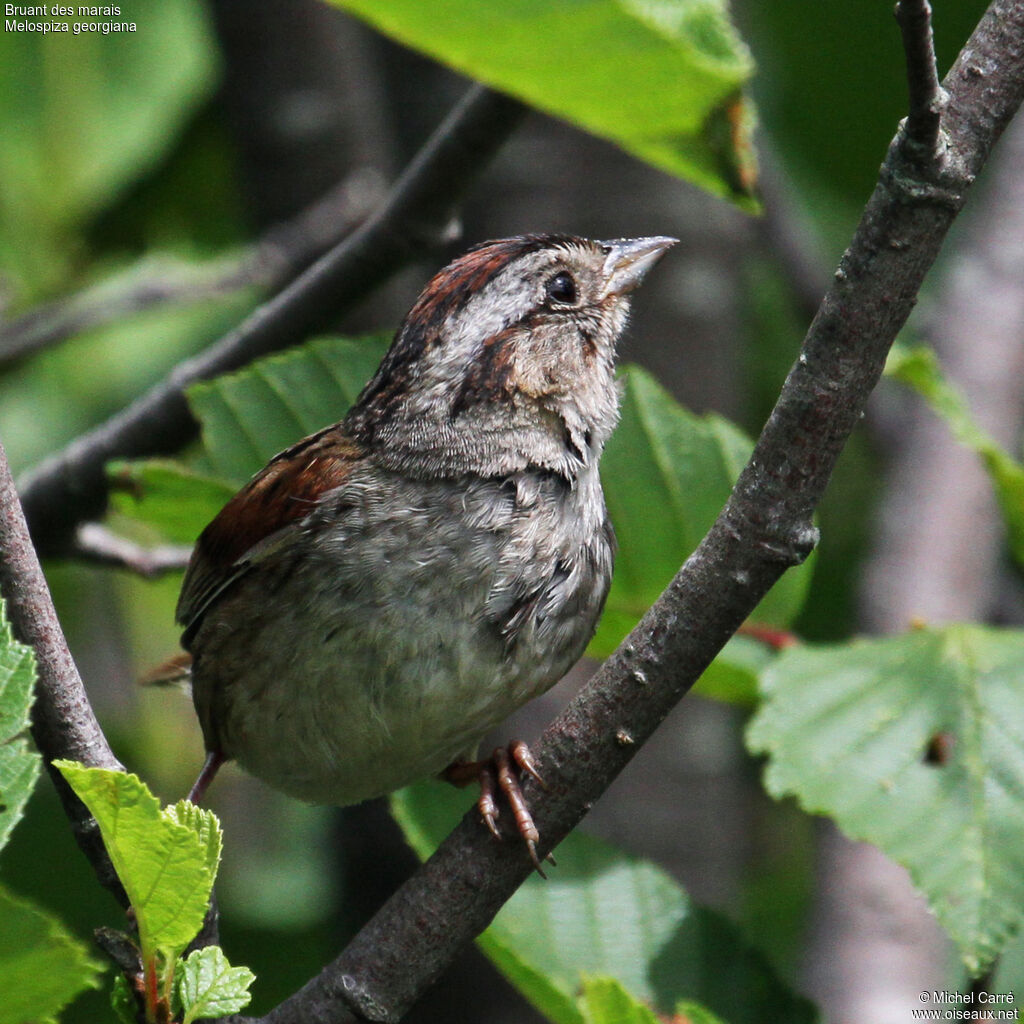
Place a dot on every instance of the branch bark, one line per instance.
(70, 487)
(99, 545)
(765, 528)
(63, 723)
(927, 97)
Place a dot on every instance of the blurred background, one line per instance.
(182, 153)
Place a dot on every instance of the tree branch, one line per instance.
(927, 97)
(269, 265)
(70, 487)
(99, 545)
(63, 723)
(765, 527)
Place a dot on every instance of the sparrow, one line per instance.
(389, 589)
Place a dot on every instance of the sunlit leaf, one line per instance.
(42, 967)
(606, 1001)
(83, 115)
(249, 416)
(661, 78)
(208, 986)
(166, 859)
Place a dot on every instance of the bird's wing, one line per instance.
(263, 517)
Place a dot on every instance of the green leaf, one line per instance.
(918, 368)
(604, 913)
(733, 675)
(166, 859)
(122, 1002)
(42, 967)
(167, 496)
(666, 474)
(661, 78)
(83, 116)
(208, 986)
(687, 1012)
(249, 416)
(19, 764)
(605, 1001)
(848, 729)
(204, 824)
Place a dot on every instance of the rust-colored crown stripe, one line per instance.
(446, 293)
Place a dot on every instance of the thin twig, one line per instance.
(269, 265)
(98, 544)
(63, 723)
(927, 97)
(70, 487)
(765, 527)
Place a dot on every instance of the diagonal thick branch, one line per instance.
(70, 487)
(765, 527)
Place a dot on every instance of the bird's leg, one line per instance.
(500, 774)
(214, 759)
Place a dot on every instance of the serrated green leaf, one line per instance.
(660, 78)
(666, 475)
(918, 368)
(204, 824)
(19, 763)
(604, 913)
(167, 867)
(249, 416)
(605, 1001)
(42, 967)
(208, 986)
(848, 729)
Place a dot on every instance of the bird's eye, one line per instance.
(562, 288)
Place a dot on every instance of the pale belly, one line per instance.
(358, 678)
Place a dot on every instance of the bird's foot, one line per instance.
(500, 775)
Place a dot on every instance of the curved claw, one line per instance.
(485, 802)
(500, 774)
(521, 755)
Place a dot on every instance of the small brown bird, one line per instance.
(387, 590)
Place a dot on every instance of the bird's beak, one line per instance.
(628, 261)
